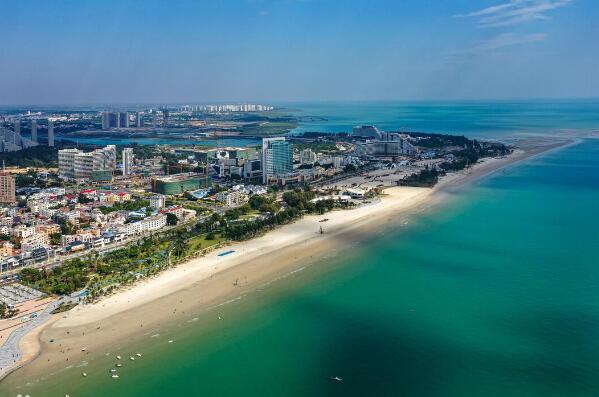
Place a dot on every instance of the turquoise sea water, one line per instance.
(473, 118)
(493, 293)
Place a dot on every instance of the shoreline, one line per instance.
(147, 304)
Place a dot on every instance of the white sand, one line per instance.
(396, 200)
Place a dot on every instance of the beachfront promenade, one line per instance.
(10, 354)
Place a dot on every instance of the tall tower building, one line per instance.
(7, 188)
(17, 131)
(165, 116)
(138, 120)
(50, 133)
(34, 131)
(277, 157)
(127, 161)
(123, 118)
(105, 120)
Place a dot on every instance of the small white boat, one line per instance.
(138, 354)
(118, 357)
(132, 358)
(83, 349)
(115, 376)
(113, 370)
(170, 341)
(84, 374)
(119, 365)
(335, 378)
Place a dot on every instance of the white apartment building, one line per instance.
(76, 164)
(307, 156)
(157, 201)
(233, 198)
(22, 231)
(127, 161)
(35, 241)
(148, 224)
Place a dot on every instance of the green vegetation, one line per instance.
(471, 153)
(322, 147)
(265, 128)
(133, 205)
(64, 307)
(62, 280)
(298, 203)
(36, 156)
(100, 274)
(428, 177)
(171, 219)
(31, 178)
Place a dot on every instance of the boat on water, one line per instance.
(138, 354)
(119, 365)
(335, 378)
(132, 358)
(113, 370)
(118, 357)
(115, 376)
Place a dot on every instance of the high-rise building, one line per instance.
(123, 119)
(12, 141)
(115, 120)
(138, 120)
(127, 161)
(7, 188)
(105, 120)
(79, 165)
(165, 116)
(34, 131)
(366, 131)
(277, 157)
(50, 133)
(17, 128)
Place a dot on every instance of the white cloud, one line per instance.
(499, 41)
(515, 12)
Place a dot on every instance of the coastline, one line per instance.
(149, 303)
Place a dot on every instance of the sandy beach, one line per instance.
(204, 282)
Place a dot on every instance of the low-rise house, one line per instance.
(35, 241)
(232, 198)
(181, 213)
(148, 224)
(7, 249)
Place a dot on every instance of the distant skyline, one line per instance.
(88, 52)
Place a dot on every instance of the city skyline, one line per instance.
(244, 51)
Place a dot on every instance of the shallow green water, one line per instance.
(495, 293)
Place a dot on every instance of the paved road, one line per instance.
(59, 260)
(9, 352)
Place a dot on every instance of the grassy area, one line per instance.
(201, 242)
(269, 128)
(322, 147)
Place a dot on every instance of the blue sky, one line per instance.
(74, 52)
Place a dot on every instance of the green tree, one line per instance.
(171, 219)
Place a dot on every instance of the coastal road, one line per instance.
(10, 354)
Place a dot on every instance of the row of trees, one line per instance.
(102, 273)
